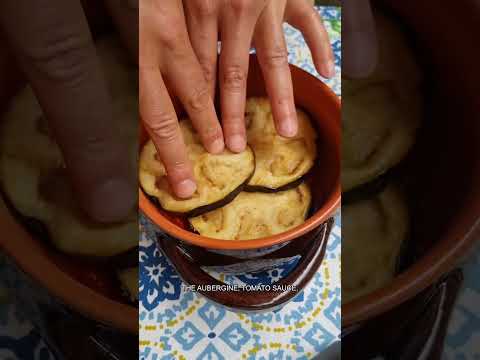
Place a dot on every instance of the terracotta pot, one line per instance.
(445, 191)
(324, 108)
(189, 251)
(81, 286)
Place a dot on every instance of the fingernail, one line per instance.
(112, 201)
(288, 128)
(185, 189)
(217, 146)
(237, 143)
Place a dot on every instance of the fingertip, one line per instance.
(237, 143)
(288, 127)
(111, 201)
(216, 147)
(185, 188)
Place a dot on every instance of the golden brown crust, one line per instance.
(373, 232)
(279, 161)
(217, 176)
(256, 215)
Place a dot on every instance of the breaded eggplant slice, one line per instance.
(279, 161)
(373, 233)
(49, 199)
(219, 177)
(256, 215)
(31, 164)
(129, 279)
(377, 135)
(381, 113)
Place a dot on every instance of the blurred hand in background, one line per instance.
(359, 41)
(50, 42)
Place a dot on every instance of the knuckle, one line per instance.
(172, 40)
(177, 167)
(164, 127)
(307, 15)
(208, 69)
(234, 78)
(92, 144)
(244, 6)
(205, 8)
(276, 57)
(199, 99)
(62, 58)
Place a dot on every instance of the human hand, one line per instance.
(54, 49)
(167, 59)
(359, 39)
(237, 23)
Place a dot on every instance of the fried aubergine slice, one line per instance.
(377, 135)
(48, 197)
(256, 215)
(373, 233)
(280, 162)
(219, 177)
(32, 170)
(381, 113)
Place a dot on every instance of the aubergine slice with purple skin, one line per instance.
(256, 215)
(280, 163)
(220, 178)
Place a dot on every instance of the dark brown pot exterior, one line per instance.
(446, 161)
(188, 260)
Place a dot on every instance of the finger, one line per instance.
(185, 76)
(237, 29)
(125, 17)
(359, 41)
(303, 16)
(273, 58)
(158, 115)
(56, 53)
(203, 32)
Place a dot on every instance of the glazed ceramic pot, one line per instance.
(445, 164)
(189, 252)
